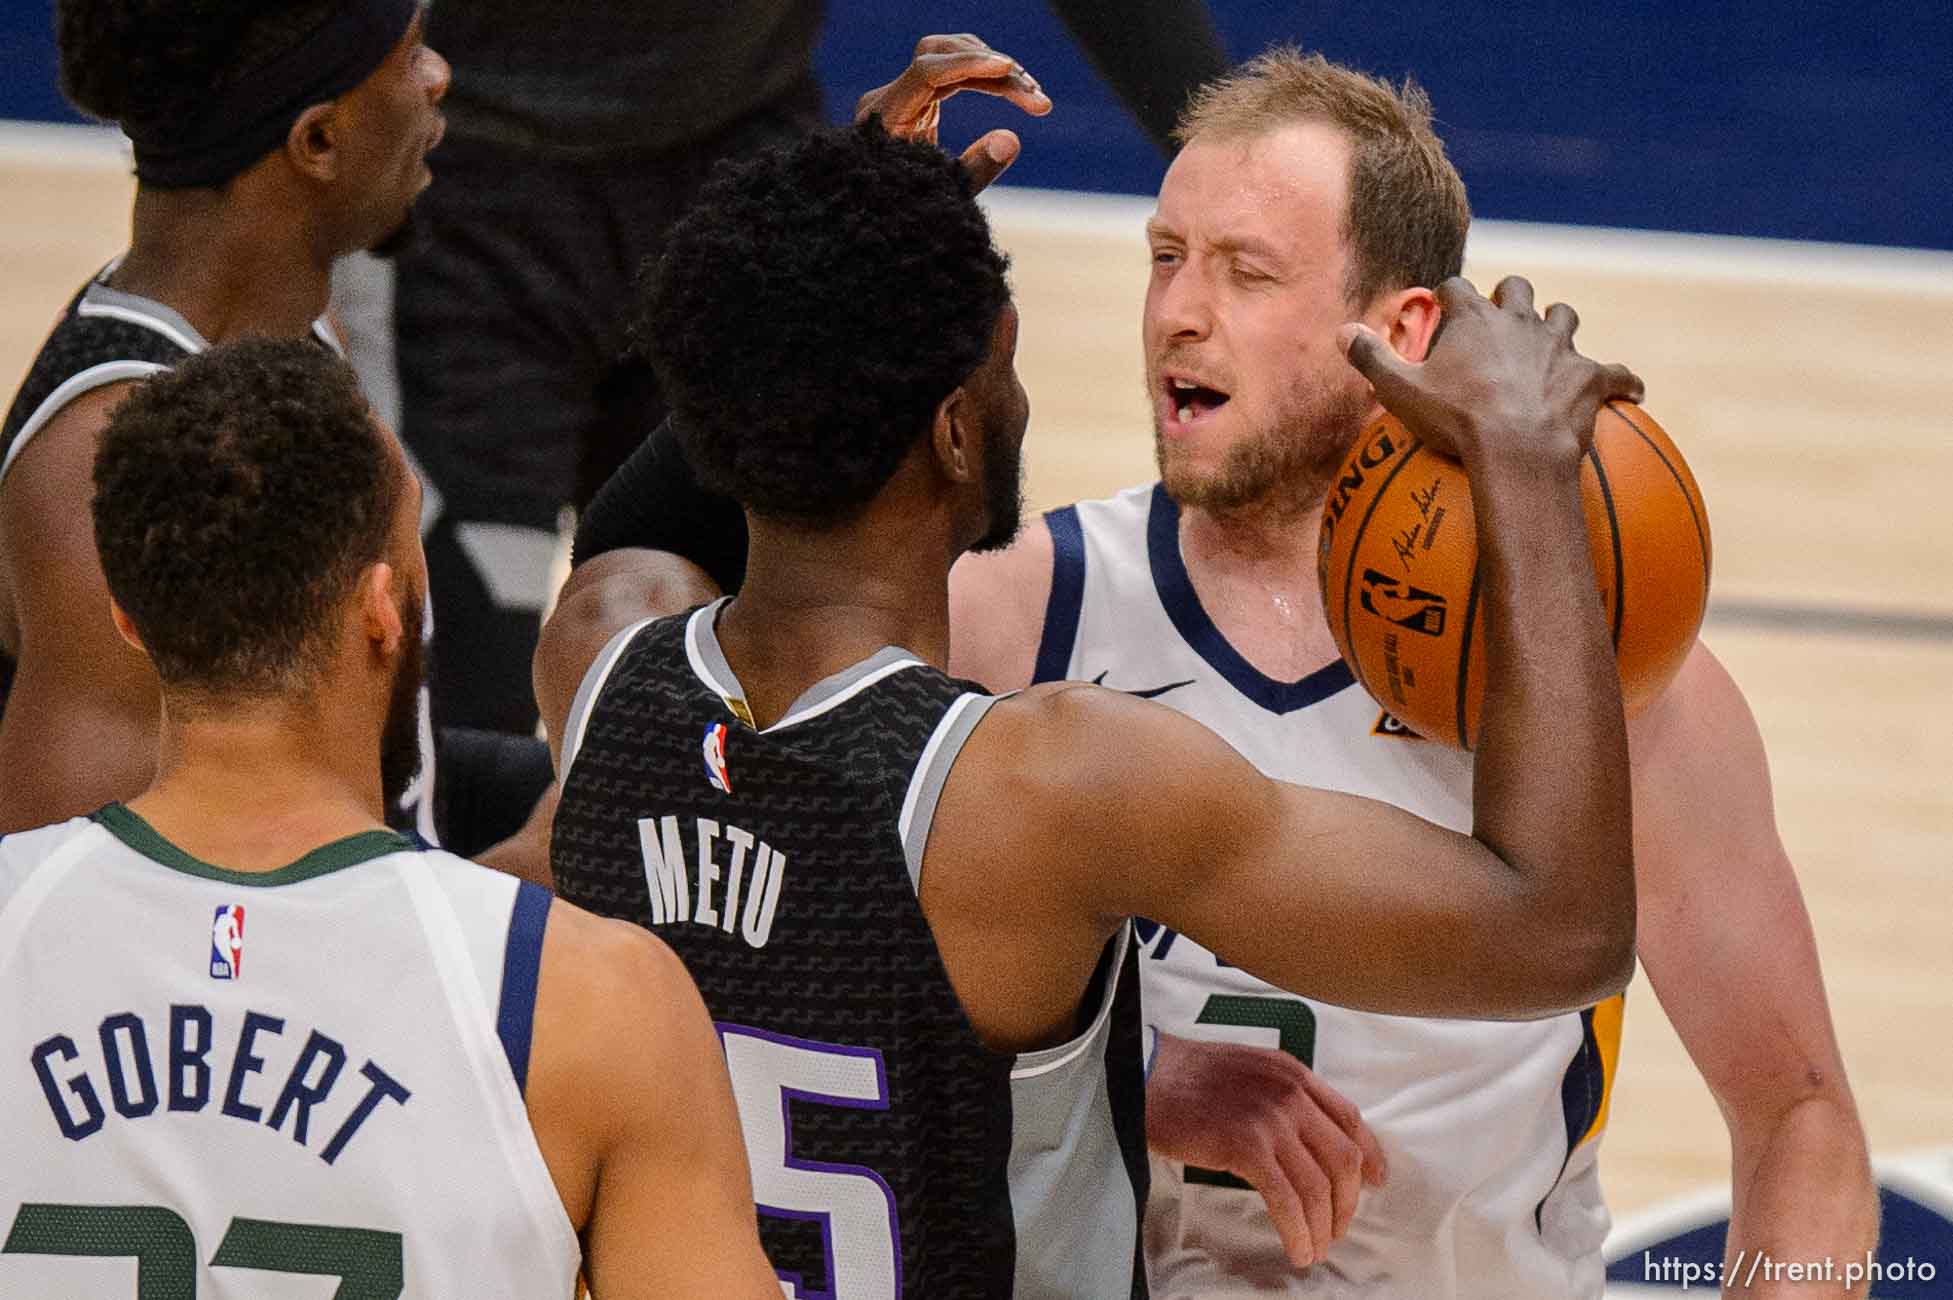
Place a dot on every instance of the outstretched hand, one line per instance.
(911, 105)
(1499, 377)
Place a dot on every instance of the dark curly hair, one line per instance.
(812, 310)
(237, 499)
(153, 60)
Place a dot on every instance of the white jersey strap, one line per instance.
(489, 1065)
(932, 773)
(87, 381)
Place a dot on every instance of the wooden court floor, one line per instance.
(1809, 386)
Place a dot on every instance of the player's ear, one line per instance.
(953, 436)
(312, 144)
(379, 612)
(124, 626)
(1408, 320)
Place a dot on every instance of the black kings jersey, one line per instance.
(892, 1153)
(103, 337)
(107, 336)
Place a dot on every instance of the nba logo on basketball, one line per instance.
(227, 943)
(715, 757)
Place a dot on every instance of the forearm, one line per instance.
(1551, 787)
(525, 854)
(1154, 55)
(1803, 1191)
(655, 502)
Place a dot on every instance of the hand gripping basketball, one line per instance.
(1499, 380)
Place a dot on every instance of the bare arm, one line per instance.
(1153, 55)
(1332, 896)
(631, 1103)
(525, 854)
(81, 723)
(1723, 930)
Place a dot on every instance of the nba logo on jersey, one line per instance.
(227, 943)
(715, 757)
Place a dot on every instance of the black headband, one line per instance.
(250, 118)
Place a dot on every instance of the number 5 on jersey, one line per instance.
(855, 1208)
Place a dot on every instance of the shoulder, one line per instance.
(614, 979)
(47, 471)
(605, 597)
(1700, 712)
(1702, 788)
(24, 852)
(997, 605)
(1060, 751)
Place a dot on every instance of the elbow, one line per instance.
(1597, 959)
(1584, 956)
(1612, 968)
(1596, 927)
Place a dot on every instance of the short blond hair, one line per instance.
(1407, 215)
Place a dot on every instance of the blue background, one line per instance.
(1809, 121)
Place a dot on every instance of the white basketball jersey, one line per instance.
(304, 1083)
(1490, 1128)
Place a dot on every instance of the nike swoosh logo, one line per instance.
(1152, 693)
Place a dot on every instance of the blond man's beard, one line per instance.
(1284, 466)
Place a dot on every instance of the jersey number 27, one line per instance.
(368, 1264)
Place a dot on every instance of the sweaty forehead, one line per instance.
(1288, 185)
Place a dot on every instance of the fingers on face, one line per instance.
(1377, 362)
(1455, 293)
(1364, 348)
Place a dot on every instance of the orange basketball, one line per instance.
(1399, 566)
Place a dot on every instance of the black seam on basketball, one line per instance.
(1356, 545)
(1614, 534)
(1688, 498)
(1465, 656)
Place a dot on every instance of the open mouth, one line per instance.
(1190, 400)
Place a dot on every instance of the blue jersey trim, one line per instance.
(1183, 607)
(1067, 596)
(1581, 1091)
(521, 964)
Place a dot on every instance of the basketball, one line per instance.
(1398, 561)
